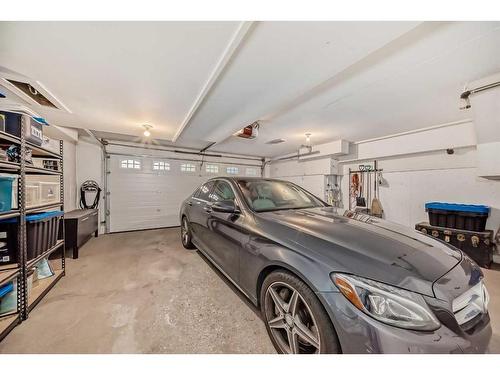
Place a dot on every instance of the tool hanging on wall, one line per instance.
(353, 189)
(89, 186)
(364, 189)
(376, 209)
(360, 200)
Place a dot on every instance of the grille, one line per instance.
(471, 304)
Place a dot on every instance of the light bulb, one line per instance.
(147, 133)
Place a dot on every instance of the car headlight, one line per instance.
(388, 304)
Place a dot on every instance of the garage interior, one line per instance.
(137, 115)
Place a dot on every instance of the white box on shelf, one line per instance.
(49, 192)
(33, 196)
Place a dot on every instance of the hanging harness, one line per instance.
(92, 187)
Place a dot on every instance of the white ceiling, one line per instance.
(351, 80)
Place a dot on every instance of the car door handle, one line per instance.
(190, 203)
(208, 209)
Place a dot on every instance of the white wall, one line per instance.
(310, 174)
(412, 180)
(70, 190)
(89, 167)
(417, 169)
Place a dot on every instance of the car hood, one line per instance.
(363, 245)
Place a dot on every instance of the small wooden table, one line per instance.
(79, 226)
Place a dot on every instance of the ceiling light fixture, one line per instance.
(147, 133)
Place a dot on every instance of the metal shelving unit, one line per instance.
(26, 302)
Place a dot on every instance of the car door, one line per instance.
(226, 234)
(199, 213)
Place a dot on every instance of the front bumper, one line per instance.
(359, 333)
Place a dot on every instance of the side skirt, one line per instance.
(223, 272)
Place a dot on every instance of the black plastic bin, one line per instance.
(469, 217)
(33, 130)
(42, 232)
(8, 234)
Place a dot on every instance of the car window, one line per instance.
(270, 195)
(222, 192)
(204, 191)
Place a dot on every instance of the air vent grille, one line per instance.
(33, 93)
(275, 141)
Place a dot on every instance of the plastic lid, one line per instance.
(34, 217)
(43, 215)
(476, 208)
(6, 289)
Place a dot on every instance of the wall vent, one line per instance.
(33, 93)
(275, 141)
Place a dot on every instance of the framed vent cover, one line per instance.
(32, 92)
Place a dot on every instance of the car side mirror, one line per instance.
(226, 207)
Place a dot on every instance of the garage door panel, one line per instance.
(144, 198)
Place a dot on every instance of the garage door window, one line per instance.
(161, 166)
(232, 170)
(212, 168)
(186, 167)
(251, 172)
(130, 164)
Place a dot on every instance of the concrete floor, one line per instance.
(141, 292)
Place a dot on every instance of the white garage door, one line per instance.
(147, 192)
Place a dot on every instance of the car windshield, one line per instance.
(269, 195)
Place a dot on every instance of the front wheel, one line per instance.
(186, 236)
(295, 319)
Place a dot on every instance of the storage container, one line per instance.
(8, 246)
(50, 164)
(458, 216)
(477, 245)
(14, 193)
(8, 298)
(2, 122)
(33, 194)
(33, 131)
(29, 282)
(6, 193)
(42, 232)
(8, 231)
(50, 192)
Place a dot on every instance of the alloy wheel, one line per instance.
(290, 320)
(185, 231)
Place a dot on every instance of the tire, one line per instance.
(295, 313)
(186, 236)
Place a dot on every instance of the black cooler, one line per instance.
(477, 245)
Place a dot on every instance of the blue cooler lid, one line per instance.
(43, 215)
(5, 289)
(475, 208)
(34, 217)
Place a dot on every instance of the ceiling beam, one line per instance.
(222, 63)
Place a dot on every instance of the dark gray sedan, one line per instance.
(329, 283)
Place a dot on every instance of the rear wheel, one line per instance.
(295, 319)
(186, 236)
